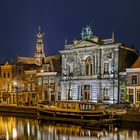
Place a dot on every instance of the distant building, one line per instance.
(91, 66)
(40, 74)
(48, 79)
(7, 92)
(133, 82)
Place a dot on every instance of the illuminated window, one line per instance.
(39, 81)
(8, 75)
(134, 79)
(131, 95)
(138, 94)
(29, 87)
(51, 80)
(33, 86)
(105, 94)
(45, 80)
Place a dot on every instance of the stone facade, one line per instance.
(90, 69)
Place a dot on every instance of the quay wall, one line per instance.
(18, 110)
(131, 116)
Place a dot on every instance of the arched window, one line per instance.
(88, 66)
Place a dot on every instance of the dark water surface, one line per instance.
(15, 128)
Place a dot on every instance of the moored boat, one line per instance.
(73, 110)
(116, 111)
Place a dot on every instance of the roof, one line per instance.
(26, 60)
(136, 63)
(54, 62)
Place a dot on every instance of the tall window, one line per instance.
(138, 94)
(86, 92)
(106, 67)
(51, 80)
(39, 81)
(29, 87)
(88, 66)
(45, 80)
(134, 79)
(33, 86)
(4, 75)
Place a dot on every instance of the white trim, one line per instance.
(46, 73)
(133, 70)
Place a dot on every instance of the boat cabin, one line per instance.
(76, 105)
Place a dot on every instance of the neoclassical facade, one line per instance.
(91, 66)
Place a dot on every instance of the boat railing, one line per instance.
(87, 106)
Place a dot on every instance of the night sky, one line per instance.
(64, 19)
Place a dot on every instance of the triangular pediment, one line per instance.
(84, 43)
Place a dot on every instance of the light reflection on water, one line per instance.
(12, 128)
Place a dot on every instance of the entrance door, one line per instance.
(53, 97)
(86, 92)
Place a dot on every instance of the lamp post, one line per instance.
(113, 84)
(68, 80)
(15, 85)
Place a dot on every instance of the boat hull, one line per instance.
(87, 115)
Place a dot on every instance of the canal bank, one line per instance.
(24, 111)
(131, 117)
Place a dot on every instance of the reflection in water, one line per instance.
(29, 129)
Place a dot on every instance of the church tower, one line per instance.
(39, 54)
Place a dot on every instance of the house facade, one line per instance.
(91, 66)
(133, 82)
(48, 78)
(7, 92)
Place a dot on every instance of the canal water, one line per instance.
(15, 128)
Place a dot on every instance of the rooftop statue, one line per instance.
(87, 33)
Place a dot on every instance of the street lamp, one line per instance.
(112, 78)
(67, 78)
(15, 85)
